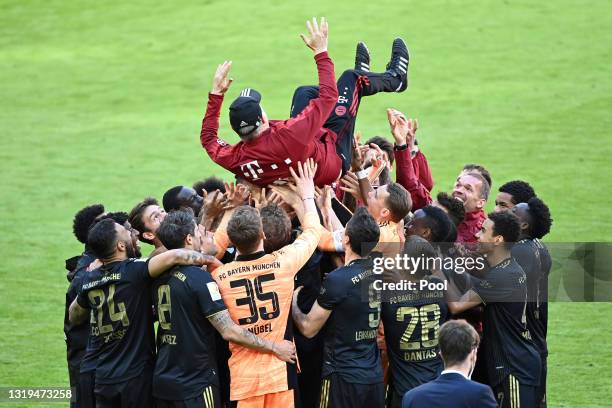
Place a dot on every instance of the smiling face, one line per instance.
(468, 190)
(152, 217)
(503, 202)
(487, 240)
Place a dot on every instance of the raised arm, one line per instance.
(218, 150)
(298, 253)
(404, 131)
(325, 206)
(230, 331)
(305, 126)
(236, 195)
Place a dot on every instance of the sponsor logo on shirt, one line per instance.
(213, 289)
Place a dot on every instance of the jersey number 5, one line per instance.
(254, 290)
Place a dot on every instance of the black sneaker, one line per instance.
(362, 58)
(398, 66)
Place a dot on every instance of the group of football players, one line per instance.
(262, 293)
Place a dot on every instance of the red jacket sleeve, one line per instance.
(305, 126)
(218, 150)
(422, 171)
(408, 179)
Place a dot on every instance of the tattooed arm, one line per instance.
(162, 262)
(230, 331)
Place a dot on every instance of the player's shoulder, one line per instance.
(523, 247)
(191, 274)
(514, 268)
(132, 263)
(341, 274)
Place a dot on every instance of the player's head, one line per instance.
(276, 227)
(512, 193)
(209, 185)
(111, 241)
(499, 231)
(430, 223)
(180, 230)
(361, 233)
(458, 343)
(146, 217)
(478, 169)
(182, 197)
(385, 146)
(453, 207)
(534, 217)
(245, 230)
(247, 117)
(122, 218)
(417, 247)
(473, 190)
(389, 202)
(83, 220)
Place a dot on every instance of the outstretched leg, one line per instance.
(352, 85)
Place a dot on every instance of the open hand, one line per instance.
(221, 80)
(304, 179)
(284, 350)
(236, 194)
(317, 40)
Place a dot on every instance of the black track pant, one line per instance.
(512, 394)
(352, 86)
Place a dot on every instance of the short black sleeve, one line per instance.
(497, 286)
(138, 270)
(208, 295)
(333, 291)
(81, 297)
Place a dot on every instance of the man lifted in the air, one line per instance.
(322, 118)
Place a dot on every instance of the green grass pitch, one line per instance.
(102, 102)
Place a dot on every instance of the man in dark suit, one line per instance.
(453, 388)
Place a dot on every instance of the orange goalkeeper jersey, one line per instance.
(257, 290)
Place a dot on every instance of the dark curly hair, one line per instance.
(454, 207)
(83, 219)
(209, 184)
(507, 225)
(520, 191)
(540, 218)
